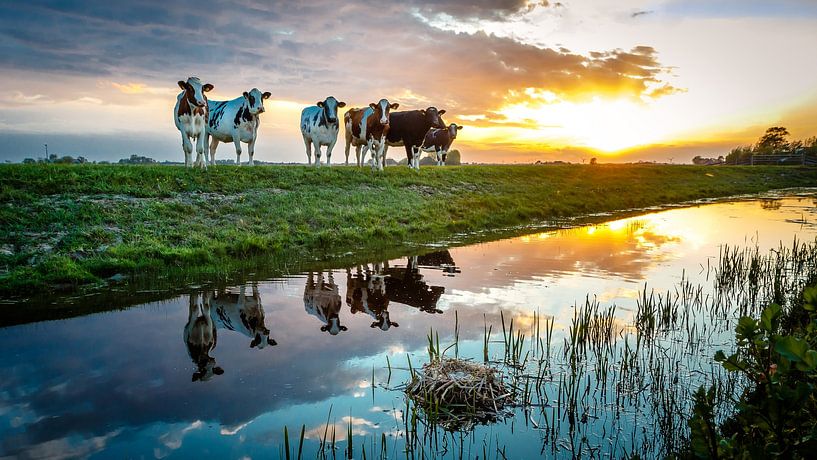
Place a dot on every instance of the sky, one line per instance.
(654, 80)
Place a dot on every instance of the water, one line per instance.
(147, 382)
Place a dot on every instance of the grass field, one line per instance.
(67, 226)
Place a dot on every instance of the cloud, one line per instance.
(484, 9)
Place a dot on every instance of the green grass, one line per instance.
(68, 226)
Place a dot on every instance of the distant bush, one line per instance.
(137, 160)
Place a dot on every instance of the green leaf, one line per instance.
(791, 348)
(770, 318)
(746, 328)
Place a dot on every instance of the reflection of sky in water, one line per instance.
(119, 384)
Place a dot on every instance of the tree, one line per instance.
(593, 161)
(774, 140)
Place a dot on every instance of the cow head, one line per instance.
(330, 107)
(206, 370)
(255, 100)
(194, 91)
(382, 110)
(383, 322)
(333, 327)
(434, 117)
(452, 130)
(262, 339)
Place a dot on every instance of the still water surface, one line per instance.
(221, 372)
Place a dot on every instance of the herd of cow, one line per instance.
(369, 290)
(368, 129)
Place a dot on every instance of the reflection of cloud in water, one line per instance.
(340, 429)
(172, 440)
(61, 448)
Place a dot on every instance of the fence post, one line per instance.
(752, 160)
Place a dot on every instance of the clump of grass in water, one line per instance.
(458, 394)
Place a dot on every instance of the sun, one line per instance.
(609, 126)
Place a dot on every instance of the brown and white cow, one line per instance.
(190, 116)
(367, 293)
(242, 313)
(200, 337)
(367, 128)
(322, 300)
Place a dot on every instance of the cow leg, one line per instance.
(308, 145)
(201, 145)
(360, 159)
(317, 148)
(380, 157)
(237, 142)
(187, 146)
(213, 147)
(348, 146)
(329, 153)
(366, 148)
(251, 151)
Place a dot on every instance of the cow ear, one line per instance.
(207, 87)
(196, 376)
(324, 328)
(374, 325)
(266, 95)
(394, 106)
(246, 94)
(423, 112)
(459, 127)
(218, 370)
(341, 104)
(373, 105)
(182, 84)
(441, 112)
(395, 324)
(320, 104)
(271, 342)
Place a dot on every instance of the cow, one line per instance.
(408, 129)
(406, 286)
(322, 300)
(368, 128)
(437, 141)
(319, 126)
(243, 314)
(367, 293)
(236, 121)
(190, 116)
(200, 337)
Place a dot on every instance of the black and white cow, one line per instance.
(408, 129)
(200, 337)
(367, 293)
(319, 127)
(190, 117)
(243, 314)
(438, 141)
(322, 300)
(236, 121)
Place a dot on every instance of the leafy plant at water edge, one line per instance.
(777, 414)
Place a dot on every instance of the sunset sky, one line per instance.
(624, 81)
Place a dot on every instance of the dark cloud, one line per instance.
(636, 14)
(306, 50)
(482, 9)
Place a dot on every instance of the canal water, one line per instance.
(225, 372)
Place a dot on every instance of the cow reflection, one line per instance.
(366, 292)
(406, 286)
(200, 337)
(242, 313)
(322, 300)
(438, 259)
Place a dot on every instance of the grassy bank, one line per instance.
(65, 226)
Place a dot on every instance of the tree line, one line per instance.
(775, 141)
